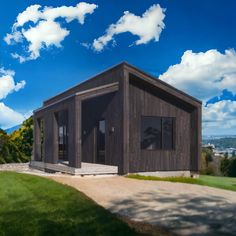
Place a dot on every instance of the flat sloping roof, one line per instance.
(142, 75)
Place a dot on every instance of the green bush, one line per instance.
(17, 147)
(228, 166)
(232, 168)
(208, 170)
(207, 167)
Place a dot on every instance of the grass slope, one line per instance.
(212, 181)
(32, 205)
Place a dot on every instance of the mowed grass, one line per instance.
(212, 181)
(31, 205)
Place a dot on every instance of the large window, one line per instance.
(157, 133)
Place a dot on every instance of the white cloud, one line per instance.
(14, 37)
(219, 117)
(45, 31)
(20, 58)
(9, 117)
(220, 111)
(7, 83)
(147, 27)
(50, 34)
(205, 74)
(31, 13)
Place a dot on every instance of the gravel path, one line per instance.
(24, 168)
(182, 208)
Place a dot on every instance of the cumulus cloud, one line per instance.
(38, 26)
(50, 33)
(14, 37)
(210, 76)
(7, 83)
(220, 111)
(219, 117)
(204, 74)
(147, 27)
(9, 117)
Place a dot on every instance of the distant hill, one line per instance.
(12, 129)
(222, 143)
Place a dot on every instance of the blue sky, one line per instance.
(193, 50)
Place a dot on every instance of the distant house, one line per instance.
(121, 118)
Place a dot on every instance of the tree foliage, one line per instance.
(17, 147)
(206, 159)
(228, 166)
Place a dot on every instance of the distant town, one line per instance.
(222, 145)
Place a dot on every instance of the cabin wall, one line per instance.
(147, 101)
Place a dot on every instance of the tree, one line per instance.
(9, 152)
(206, 158)
(232, 168)
(233, 153)
(224, 165)
(23, 137)
(17, 147)
(208, 155)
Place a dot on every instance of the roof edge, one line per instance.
(116, 66)
(156, 79)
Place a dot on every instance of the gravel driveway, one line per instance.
(182, 208)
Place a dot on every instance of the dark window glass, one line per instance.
(41, 125)
(62, 119)
(101, 130)
(167, 133)
(151, 133)
(157, 133)
(101, 141)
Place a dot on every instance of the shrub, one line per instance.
(232, 168)
(228, 166)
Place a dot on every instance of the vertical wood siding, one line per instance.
(146, 101)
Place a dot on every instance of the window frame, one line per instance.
(173, 133)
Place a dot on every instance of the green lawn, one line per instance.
(31, 205)
(212, 181)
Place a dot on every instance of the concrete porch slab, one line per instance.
(86, 168)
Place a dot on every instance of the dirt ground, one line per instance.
(183, 209)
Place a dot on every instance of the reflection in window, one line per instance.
(157, 133)
(62, 119)
(41, 125)
(151, 133)
(101, 139)
(167, 133)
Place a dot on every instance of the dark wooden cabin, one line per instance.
(121, 117)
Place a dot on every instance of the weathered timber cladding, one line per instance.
(147, 101)
(37, 141)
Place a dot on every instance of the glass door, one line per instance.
(101, 141)
(62, 142)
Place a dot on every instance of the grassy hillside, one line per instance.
(32, 205)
